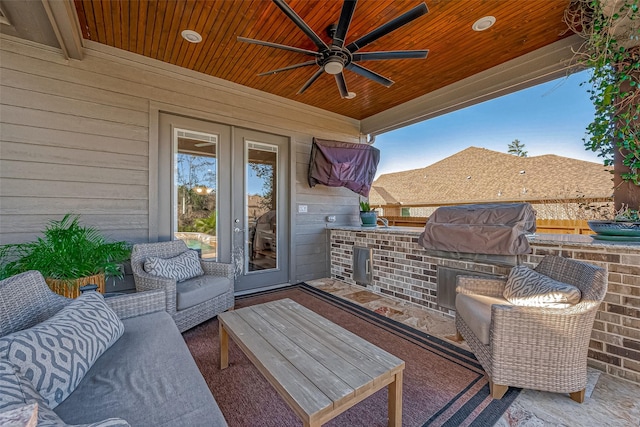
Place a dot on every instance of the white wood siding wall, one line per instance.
(75, 136)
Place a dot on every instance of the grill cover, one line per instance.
(498, 229)
(343, 164)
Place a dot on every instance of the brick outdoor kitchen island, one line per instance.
(401, 268)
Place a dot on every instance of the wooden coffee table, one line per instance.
(318, 367)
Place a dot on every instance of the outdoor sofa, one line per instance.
(144, 376)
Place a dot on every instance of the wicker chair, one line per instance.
(218, 275)
(533, 347)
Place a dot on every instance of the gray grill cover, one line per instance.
(498, 229)
(343, 164)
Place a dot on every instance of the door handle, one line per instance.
(236, 230)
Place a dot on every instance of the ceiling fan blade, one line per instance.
(365, 72)
(387, 28)
(301, 24)
(278, 46)
(342, 85)
(396, 54)
(311, 80)
(290, 67)
(348, 7)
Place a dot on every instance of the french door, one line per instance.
(260, 208)
(226, 196)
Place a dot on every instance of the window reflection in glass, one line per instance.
(261, 202)
(195, 191)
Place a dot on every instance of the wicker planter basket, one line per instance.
(61, 287)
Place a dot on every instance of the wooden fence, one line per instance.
(553, 226)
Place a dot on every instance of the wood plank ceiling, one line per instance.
(152, 29)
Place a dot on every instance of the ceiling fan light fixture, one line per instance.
(191, 36)
(333, 67)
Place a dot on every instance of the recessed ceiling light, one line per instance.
(191, 36)
(484, 23)
(351, 95)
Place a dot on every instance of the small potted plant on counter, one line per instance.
(368, 217)
(625, 226)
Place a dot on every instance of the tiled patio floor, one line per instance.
(610, 402)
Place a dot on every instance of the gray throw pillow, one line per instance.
(180, 268)
(16, 391)
(56, 354)
(527, 287)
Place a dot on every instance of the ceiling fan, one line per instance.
(334, 58)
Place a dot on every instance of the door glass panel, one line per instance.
(261, 206)
(195, 191)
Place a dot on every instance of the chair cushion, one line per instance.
(16, 391)
(55, 354)
(194, 291)
(527, 287)
(475, 310)
(181, 267)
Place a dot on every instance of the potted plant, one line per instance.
(624, 226)
(368, 217)
(69, 255)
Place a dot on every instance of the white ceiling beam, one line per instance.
(64, 21)
(540, 66)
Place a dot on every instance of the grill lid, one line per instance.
(498, 229)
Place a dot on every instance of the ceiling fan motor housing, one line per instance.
(334, 60)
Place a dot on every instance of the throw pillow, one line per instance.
(180, 268)
(16, 391)
(529, 288)
(55, 354)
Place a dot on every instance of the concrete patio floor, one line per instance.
(610, 401)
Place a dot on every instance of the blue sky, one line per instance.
(550, 118)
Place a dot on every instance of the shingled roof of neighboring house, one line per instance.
(478, 175)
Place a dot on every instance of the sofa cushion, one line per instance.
(527, 287)
(148, 377)
(56, 354)
(16, 391)
(475, 310)
(199, 289)
(180, 267)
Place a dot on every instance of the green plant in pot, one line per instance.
(624, 226)
(368, 217)
(69, 255)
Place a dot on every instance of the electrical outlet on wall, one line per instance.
(302, 208)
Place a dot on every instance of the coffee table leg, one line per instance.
(395, 401)
(224, 347)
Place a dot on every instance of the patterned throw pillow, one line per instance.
(16, 391)
(180, 268)
(56, 354)
(530, 288)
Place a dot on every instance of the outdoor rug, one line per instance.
(443, 385)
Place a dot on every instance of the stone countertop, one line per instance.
(543, 239)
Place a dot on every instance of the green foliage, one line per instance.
(67, 251)
(626, 214)
(612, 53)
(364, 206)
(517, 149)
(207, 225)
